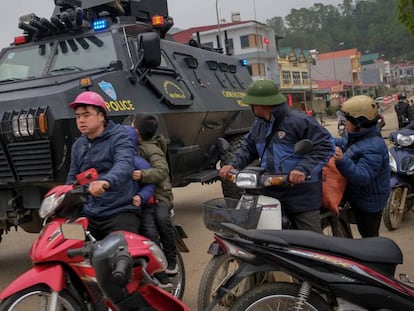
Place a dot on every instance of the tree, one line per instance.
(363, 24)
(406, 14)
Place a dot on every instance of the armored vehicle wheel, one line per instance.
(335, 226)
(391, 215)
(229, 189)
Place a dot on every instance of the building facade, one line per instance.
(250, 41)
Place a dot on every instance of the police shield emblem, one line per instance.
(108, 89)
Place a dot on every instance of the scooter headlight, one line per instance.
(49, 204)
(247, 180)
(404, 140)
(158, 254)
(393, 163)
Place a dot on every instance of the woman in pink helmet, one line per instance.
(107, 147)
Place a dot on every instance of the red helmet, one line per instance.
(89, 98)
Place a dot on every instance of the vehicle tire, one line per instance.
(391, 215)
(278, 296)
(178, 279)
(217, 269)
(38, 298)
(229, 189)
(335, 226)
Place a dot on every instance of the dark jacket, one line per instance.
(366, 168)
(403, 110)
(145, 191)
(279, 155)
(111, 154)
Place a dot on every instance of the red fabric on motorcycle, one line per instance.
(333, 186)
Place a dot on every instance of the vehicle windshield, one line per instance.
(58, 57)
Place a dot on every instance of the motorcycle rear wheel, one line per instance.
(178, 280)
(278, 296)
(38, 298)
(391, 215)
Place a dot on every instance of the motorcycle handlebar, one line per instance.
(82, 251)
(122, 266)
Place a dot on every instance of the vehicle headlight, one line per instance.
(158, 253)
(49, 204)
(393, 163)
(404, 140)
(247, 180)
(23, 125)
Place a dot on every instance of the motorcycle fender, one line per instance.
(37, 275)
(242, 272)
(180, 235)
(160, 299)
(214, 249)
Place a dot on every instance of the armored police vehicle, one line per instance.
(120, 49)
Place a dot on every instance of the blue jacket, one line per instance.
(145, 191)
(279, 156)
(111, 154)
(366, 168)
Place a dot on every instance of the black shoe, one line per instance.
(164, 280)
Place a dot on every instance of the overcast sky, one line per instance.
(186, 13)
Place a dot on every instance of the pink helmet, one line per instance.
(89, 98)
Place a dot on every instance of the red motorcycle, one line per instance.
(72, 271)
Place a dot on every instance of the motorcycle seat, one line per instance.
(375, 250)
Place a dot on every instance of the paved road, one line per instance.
(188, 205)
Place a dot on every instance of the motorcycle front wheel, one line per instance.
(39, 298)
(391, 215)
(217, 270)
(278, 296)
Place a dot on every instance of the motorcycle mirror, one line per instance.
(72, 231)
(87, 176)
(303, 146)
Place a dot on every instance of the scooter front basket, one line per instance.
(219, 210)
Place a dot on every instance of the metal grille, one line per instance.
(32, 161)
(6, 174)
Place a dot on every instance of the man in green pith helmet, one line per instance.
(271, 139)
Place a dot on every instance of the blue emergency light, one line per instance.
(100, 24)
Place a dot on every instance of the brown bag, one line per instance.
(333, 186)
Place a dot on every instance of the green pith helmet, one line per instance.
(263, 92)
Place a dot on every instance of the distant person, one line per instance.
(403, 111)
